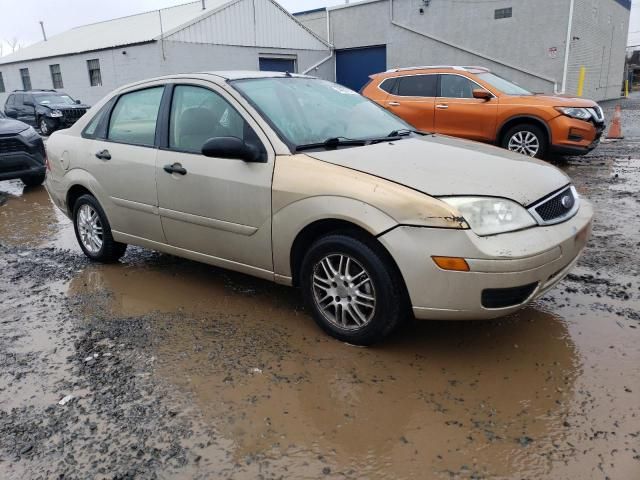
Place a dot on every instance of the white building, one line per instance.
(89, 61)
(541, 44)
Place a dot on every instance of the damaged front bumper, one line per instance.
(507, 271)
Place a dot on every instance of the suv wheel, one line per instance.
(93, 231)
(355, 294)
(526, 139)
(46, 128)
(33, 180)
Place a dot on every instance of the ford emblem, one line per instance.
(567, 201)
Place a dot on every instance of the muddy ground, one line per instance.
(172, 369)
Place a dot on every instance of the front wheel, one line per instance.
(93, 231)
(46, 127)
(354, 291)
(526, 139)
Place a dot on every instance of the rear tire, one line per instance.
(354, 290)
(93, 231)
(527, 139)
(33, 180)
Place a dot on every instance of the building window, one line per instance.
(95, 79)
(503, 13)
(56, 76)
(2, 89)
(26, 79)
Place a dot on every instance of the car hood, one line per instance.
(9, 126)
(440, 166)
(550, 101)
(64, 106)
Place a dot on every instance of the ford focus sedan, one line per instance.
(306, 183)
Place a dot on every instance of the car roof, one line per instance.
(239, 74)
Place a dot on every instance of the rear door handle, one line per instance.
(175, 168)
(442, 106)
(104, 155)
(394, 104)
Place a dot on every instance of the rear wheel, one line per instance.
(527, 139)
(33, 180)
(93, 231)
(354, 291)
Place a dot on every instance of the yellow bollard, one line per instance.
(626, 88)
(583, 72)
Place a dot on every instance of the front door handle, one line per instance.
(175, 168)
(442, 106)
(394, 104)
(104, 155)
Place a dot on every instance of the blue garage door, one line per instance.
(353, 66)
(278, 65)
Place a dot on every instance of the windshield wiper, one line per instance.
(403, 132)
(333, 143)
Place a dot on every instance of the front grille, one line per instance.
(11, 145)
(559, 207)
(73, 114)
(507, 297)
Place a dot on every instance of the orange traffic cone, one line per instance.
(615, 131)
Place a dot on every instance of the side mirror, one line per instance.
(482, 94)
(11, 114)
(78, 102)
(231, 147)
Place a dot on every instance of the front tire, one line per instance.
(527, 139)
(46, 127)
(33, 180)
(354, 290)
(93, 231)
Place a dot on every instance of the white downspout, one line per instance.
(331, 48)
(567, 47)
(472, 52)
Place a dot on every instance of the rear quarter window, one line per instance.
(389, 85)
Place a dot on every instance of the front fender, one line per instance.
(292, 219)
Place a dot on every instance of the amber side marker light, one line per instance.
(456, 264)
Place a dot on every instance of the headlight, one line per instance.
(56, 113)
(579, 113)
(488, 216)
(29, 133)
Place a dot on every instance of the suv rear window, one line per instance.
(418, 86)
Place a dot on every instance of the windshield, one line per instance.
(307, 110)
(54, 99)
(505, 86)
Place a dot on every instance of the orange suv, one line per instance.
(473, 103)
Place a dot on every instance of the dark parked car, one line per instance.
(47, 110)
(22, 152)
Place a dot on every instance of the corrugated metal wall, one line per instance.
(599, 37)
(256, 23)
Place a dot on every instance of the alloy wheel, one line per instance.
(89, 228)
(524, 142)
(343, 291)
(44, 128)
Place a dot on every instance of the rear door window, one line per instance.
(19, 99)
(134, 117)
(418, 86)
(456, 86)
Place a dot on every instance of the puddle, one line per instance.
(28, 217)
(525, 394)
